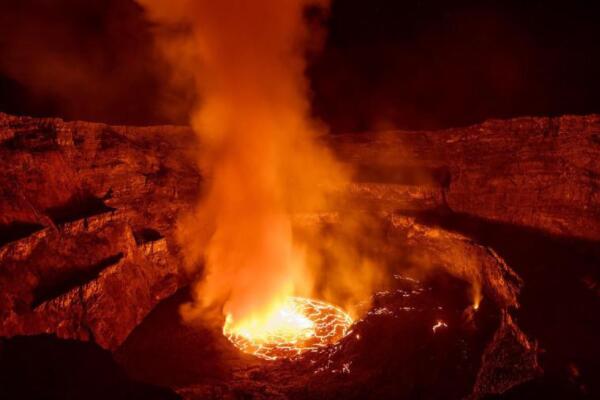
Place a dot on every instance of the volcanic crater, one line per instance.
(92, 273)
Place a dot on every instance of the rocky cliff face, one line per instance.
(88, 213)
(542, 173)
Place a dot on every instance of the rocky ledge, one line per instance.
(88, 212)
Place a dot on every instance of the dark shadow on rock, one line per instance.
(147, 235)
(80, 205)
(17, 230)
(166, 351)
(560, 301)
(44, 367)
(73, 278)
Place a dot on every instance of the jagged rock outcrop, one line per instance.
(509, 359)
(88, 213)
(431, 247)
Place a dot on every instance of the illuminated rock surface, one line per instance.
(87, 214)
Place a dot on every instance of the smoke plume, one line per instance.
(259, 148)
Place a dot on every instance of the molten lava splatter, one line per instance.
(438, 325)
(297, 326)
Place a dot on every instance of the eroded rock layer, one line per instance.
(542, 173)
(88, 214)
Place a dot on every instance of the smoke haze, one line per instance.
(260, 149)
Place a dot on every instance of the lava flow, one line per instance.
(297, 326)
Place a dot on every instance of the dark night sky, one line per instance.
(409, 64)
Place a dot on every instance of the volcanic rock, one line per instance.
(418, 339)
(542, 173)
(87, 214)
(87, 241)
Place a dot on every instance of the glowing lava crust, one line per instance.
(299, 325)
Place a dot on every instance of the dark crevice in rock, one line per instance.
(147, 235)
(17, 230)
(73, 279)
(78, 207)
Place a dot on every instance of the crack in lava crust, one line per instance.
(298, 326)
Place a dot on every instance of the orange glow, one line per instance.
(439, 325)
(263, 163)
(290, 329)
(477, 297)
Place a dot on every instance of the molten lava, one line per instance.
(297, 326)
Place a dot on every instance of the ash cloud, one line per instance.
(259, 149)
